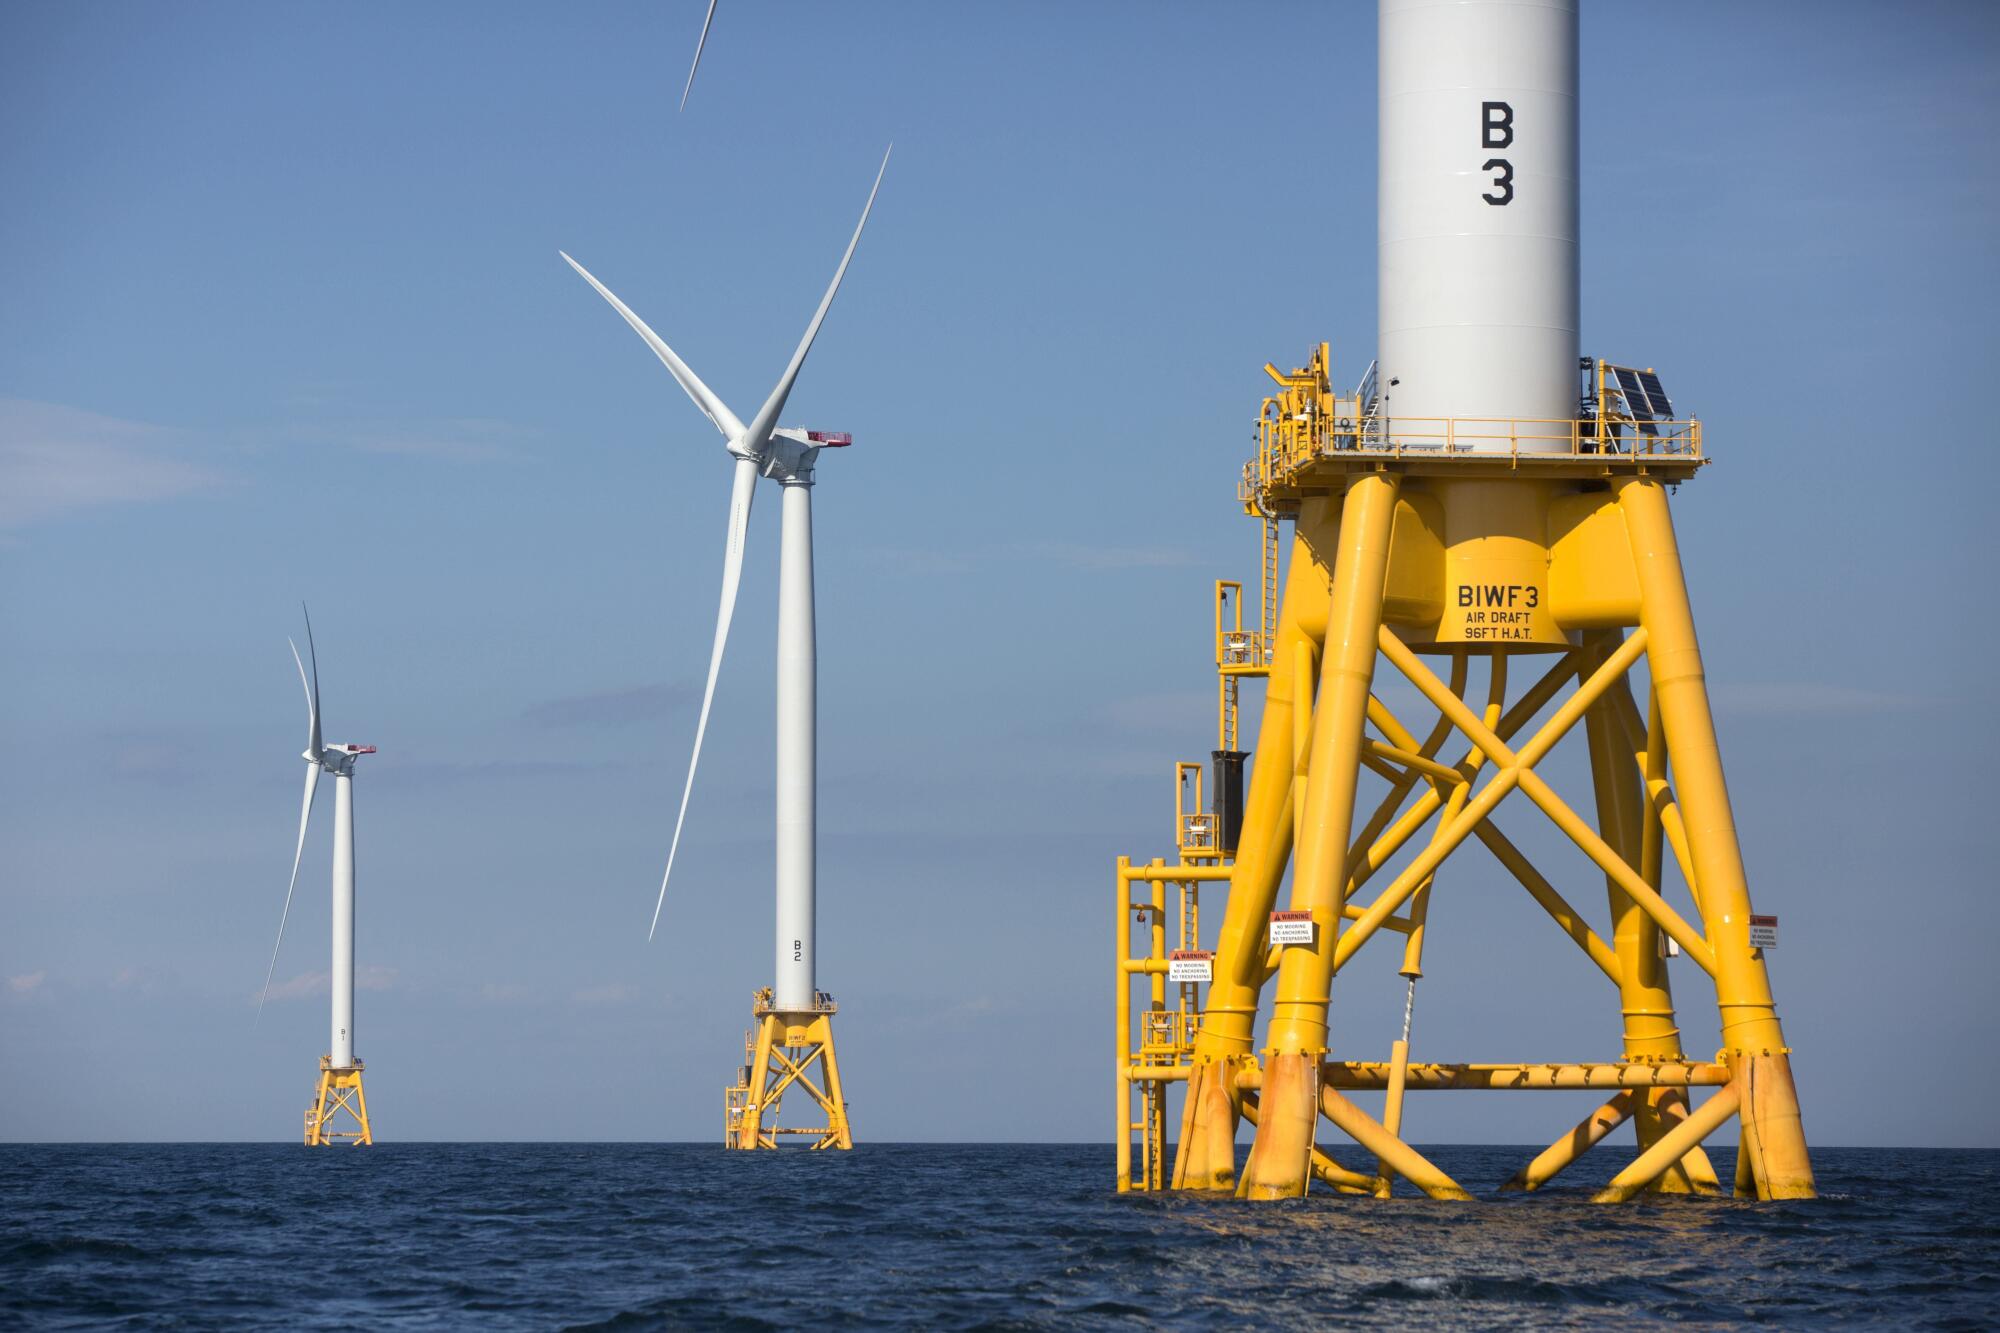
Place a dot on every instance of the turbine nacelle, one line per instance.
(339, 759)
(788, 459)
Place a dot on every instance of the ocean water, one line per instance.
(640, 1236)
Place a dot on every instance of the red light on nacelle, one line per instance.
(830, 439)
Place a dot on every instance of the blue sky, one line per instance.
(281, 316)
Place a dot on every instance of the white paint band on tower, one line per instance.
(1477, 222)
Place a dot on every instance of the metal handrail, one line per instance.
(1282, 446)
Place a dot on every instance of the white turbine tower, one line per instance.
(339, 1072)
(792, 1019)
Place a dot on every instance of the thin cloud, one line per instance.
(27, 983)
(606, 708)
(450, 439)
(309, 984)
(57, 460)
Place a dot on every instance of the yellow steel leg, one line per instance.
(1650, 1032)
(1753, 1041)
(1207, 1157)
(1278, 1166)
(842, 1135)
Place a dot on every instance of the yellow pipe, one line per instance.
(1368, 1076)
(1380, 767)
(1552, 1160)
(1392, 1105)
(1645, 992)
(1631, 828)
(1552, 902)
(1325, 1169)
(1367, 857)
(1751, 1034)
(1175, 874)
(1413, 946)
(1278, 1163)
(1121, 955)
(1647, 742)
(1429, 768)
(1207, 1156)
(1675, 1144)
(1266, 843)
(1652, 766)
(1496, 698)
(1516, 769)
(1694, 1173)
(1398, 1156)
(1373, 1076)
(1519, 769)
(1614, 865)
(1402, 783)
(1157, 981)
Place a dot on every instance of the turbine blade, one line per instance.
(767, 415)
(697, 54)
(712, 407)
(742, 491)
(305, 817)
(313, 743)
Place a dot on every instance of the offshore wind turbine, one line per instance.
(793, 1017)
(339, 1071)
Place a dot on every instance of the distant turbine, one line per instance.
(697, 54)
(340, 1072)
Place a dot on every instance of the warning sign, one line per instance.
(1291, 928)
(1191, 965)
(1763, 932)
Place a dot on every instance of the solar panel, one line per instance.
(1637, 405)
(1661, 407)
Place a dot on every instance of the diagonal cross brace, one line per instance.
(1518, 770)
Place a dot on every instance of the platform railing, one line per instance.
(1286, 444)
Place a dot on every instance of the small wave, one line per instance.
(1479, 1287)
(61, 1248)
